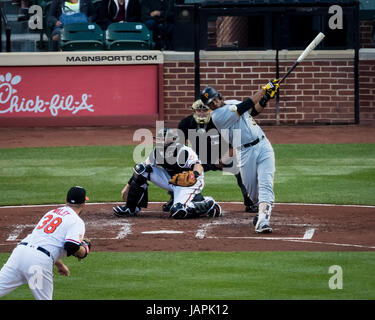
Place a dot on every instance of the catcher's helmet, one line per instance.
(209, 94)
(198, 105)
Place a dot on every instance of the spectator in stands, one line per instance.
(158, 16)
(111, 11)
(24, 4)
(63, 12)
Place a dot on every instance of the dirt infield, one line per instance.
(307, 228)
(296, 227)
(82, 136)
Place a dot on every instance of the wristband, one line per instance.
(196, 174)
(263, 101)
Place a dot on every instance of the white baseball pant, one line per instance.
(184, 195)
(28, 265)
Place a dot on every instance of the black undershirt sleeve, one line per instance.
(71, 248)
(245, 106)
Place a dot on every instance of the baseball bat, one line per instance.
(304, 54)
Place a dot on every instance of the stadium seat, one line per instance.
(128, 36)
(82, 36)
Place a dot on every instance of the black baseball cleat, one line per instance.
(252, 208)
(168, 205)
(124, 211)
(249, 205)
(255, 220)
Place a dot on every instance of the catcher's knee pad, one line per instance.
(138, 171)
(178, 211)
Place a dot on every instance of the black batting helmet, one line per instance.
(209, 94)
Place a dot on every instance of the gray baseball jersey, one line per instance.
(256, 160)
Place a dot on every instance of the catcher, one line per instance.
(175, 168)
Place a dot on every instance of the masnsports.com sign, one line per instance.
(143, 58)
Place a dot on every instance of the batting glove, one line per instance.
(271, 88)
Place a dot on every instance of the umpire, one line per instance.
(208, 151)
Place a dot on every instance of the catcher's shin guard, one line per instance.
(124, 211)
(204, 205)
(178, 211)
(137, 196)
(138, 191)
(215, 211)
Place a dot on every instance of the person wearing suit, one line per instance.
(111, 11)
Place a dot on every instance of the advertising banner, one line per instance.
(96, 95)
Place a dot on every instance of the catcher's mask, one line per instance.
(209, 94)
(165, 137)
(202, 113)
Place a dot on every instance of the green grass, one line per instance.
(213, 276)
(336, 173)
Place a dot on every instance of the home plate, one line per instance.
(162, 231)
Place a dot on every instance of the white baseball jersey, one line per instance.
(55, 228)
(257, 163)
(29, 262)
(162, 173)
(225, 118)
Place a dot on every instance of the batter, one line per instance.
(255, 155)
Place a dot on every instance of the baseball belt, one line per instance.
(37, 248)
(252, 143)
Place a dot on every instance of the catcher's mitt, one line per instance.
(184, 179)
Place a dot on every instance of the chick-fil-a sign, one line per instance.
(74, 91)
(11, 102)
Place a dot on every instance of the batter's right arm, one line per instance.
(261, 98)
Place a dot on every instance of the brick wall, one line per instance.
(320, 91)
(367, 90)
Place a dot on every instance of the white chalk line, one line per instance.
(162, 232)
(124, 231)
(13, 236)
(309, 233)
(203, 229)
(301, 240)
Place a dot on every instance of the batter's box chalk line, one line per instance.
(204, 228)
(18, 229)
(125, 228)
